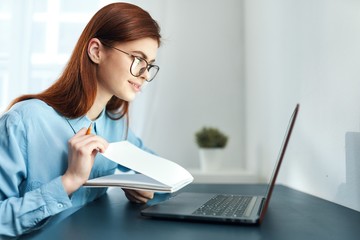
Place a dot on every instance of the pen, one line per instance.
(88, 131)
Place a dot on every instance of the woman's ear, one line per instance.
(94, 50)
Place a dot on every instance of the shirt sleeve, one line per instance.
(22, 212)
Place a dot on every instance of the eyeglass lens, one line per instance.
(139, 66)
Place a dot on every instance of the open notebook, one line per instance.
(153, 173)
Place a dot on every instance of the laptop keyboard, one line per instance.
(224, 205)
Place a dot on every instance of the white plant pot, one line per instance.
(211, 159)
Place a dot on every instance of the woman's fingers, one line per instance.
(87, 143)
(82, 151)
(138, 196)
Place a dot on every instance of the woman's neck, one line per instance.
(94, 112)
(97, 107)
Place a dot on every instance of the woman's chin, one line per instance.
(128, 97)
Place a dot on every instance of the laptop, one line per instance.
(232, 208)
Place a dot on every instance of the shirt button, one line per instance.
(60, 205)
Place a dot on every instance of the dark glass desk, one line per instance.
(291, 215)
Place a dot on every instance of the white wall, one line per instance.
(308, 52)
(200, 82)
(289, 51)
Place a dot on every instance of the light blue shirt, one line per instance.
(33, 156)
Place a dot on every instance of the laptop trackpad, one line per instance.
(183, 203)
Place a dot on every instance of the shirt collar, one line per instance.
(84, 122)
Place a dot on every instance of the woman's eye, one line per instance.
(139, 59)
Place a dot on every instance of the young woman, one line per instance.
(46, 154)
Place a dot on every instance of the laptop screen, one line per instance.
(279, 161)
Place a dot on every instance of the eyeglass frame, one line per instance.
(147, 67)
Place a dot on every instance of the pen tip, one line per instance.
(88, 131)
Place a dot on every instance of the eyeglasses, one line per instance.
(139, 65)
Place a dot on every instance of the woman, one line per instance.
(45, 153)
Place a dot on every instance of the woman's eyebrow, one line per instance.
(143, 55)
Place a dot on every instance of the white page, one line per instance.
(160, 169)
(133, 181)
(130, 181)
(125, 179)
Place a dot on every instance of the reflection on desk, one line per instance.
(291, 215)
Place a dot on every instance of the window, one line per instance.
(37, 38)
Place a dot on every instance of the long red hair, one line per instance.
(74, 92)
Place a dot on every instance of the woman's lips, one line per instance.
(135, 86)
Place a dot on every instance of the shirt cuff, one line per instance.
(55, 196)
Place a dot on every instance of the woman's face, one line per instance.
(113, 69)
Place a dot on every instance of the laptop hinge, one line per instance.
(261, 206)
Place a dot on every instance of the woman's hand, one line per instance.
(82, 151)
(137, 196)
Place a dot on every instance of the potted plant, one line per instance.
(211, 142)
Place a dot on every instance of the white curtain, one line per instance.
(37, 37)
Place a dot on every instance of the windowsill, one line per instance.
(224, 176)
